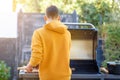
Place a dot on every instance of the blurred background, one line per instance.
(104, 14)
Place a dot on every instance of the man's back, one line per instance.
(51, 48)
(56, 51)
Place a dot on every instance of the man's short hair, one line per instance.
(52, 12)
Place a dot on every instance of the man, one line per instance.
(51, 48)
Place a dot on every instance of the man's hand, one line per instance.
(29, 68)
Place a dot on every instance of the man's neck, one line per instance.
(50, 20)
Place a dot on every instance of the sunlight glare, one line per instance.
(8, 20)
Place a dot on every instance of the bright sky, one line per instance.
(5, 6)
(8, 20)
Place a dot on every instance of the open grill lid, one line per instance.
(83, 48)
(84, 41)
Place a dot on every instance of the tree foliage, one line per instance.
(96, 12)
(112, 44)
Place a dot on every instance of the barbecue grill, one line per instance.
(83, 49)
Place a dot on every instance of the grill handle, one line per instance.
(81, 24)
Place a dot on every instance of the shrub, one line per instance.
(112, 42)
(4, 71)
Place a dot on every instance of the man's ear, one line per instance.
(59, 18)
(45, 18)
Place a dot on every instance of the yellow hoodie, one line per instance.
(51, 51)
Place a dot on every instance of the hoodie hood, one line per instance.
(56, 26)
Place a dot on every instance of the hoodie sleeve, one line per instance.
(37, 50)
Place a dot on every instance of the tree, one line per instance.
(96, 12)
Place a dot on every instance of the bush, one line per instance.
(4, 71)
(97, 13)
(112, 42)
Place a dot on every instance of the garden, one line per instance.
(103, 14)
